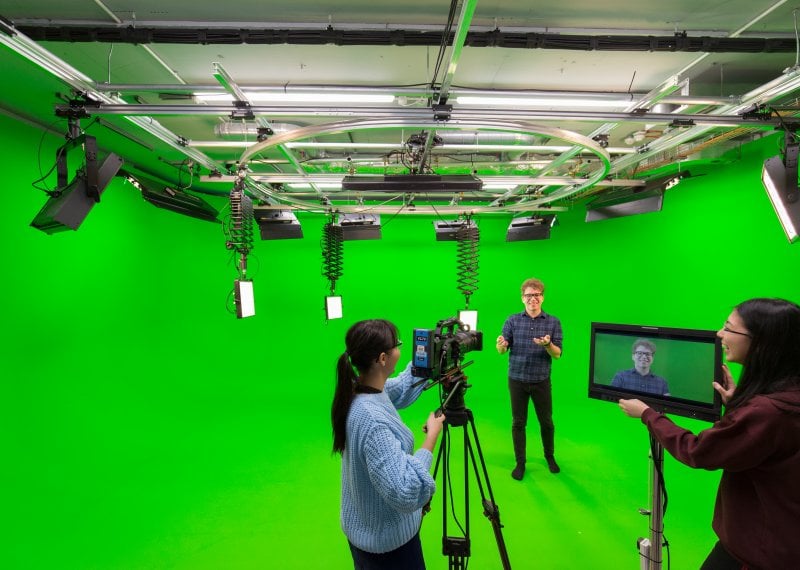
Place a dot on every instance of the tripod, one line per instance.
(457, 549)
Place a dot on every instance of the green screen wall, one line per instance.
(143, 426)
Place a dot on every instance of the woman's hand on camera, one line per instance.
(634, 408)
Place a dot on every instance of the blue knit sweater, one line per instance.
(384, 483)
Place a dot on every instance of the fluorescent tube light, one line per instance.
(298, 97)
(542, 102)
(783, 193)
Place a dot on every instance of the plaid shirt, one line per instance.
(632, 380)
(529, 362)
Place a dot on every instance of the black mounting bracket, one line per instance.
(242, 111)
(442, 112)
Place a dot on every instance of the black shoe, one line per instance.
(551, 463)
(518, 471)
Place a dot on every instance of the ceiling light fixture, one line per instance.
(173, 199)
(633, 200)
(289, 97)
(359, 226)
(277, 224)
(561, 102)
(447, 230)
(779, 177)
(413, 183)
(530, 228)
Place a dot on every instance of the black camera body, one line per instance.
(439, 351)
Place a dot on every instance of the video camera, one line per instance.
(439, 351)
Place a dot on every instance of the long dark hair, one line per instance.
(772, 363)
(364, 343)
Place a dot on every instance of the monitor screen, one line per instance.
(670, 369)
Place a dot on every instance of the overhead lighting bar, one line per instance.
(779, 176)
(560, 102)
(289, 97)
(413, 183)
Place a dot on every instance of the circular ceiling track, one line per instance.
(580, 143)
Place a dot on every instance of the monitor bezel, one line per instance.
(691, 408)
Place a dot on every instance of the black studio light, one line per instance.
(631, 201)
(72, 200)
(277, 224)
(447, 230)
(530, 228)
(418, 183)
(359, 226)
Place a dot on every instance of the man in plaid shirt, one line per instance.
(534, 339)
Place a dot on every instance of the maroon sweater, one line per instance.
(757, 445)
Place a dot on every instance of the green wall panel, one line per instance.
(143, 426)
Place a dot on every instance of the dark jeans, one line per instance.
(719, 559)
(542, 395)
(406, 557)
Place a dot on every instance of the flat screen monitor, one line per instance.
(670, 369)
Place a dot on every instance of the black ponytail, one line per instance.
(365, 341)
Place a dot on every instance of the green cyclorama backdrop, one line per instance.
(145, 427)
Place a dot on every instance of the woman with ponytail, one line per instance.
(756, 442)
(385, 483)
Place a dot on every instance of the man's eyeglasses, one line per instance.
(529, 296)
(726, 329)
(643, 354)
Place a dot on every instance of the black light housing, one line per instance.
(359, 226)
(277, 224)
(448, 230)
(69, 207)
(400, 183)
(631, 201)
(180, 202)
(530, 228)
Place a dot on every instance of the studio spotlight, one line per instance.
(631, 201)
(447, 230)
(779, 177)
(168, 198)
(277, 224)
(532, 228)
(359, 226)
(69, 206)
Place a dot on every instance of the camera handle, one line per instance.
(457, 548)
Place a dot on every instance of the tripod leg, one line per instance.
(490, 508)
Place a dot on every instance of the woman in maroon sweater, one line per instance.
(756, 443)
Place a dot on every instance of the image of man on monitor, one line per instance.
(639, 378)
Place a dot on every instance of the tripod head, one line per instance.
(453, 390)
